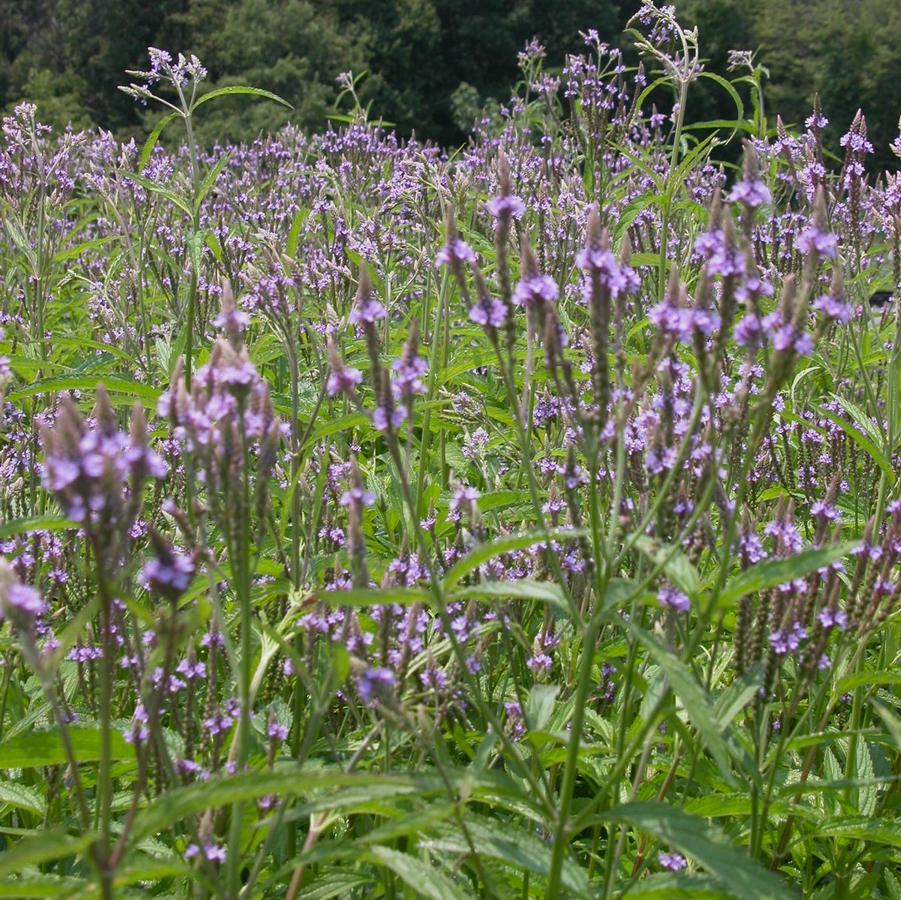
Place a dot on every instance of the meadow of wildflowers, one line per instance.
(523, 522)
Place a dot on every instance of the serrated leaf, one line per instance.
(513, 846)
(115, 385)
(734, 699)
(240, 90)
(365, 597)
(865, 772)
(694, 698)
(890, 720)
(163, 191)
(41, 886)
(540, 705)
(678, 886)
(524, 589)
(861, 679)
(861, 828)
(773, 572)
(333, 884)
(45, 748)
(863, 441)
(676, 564)
(42, 848)
(179, 803)
(152, 138)
(742, 876)
(425, 880)
(210, 179)
(22, 796)
(484, 552)
(36, 523)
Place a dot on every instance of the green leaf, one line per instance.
(332, 884)
(525, 589)
(80, 383)
(867, 790)
(862, 441)
(540, 705)
(240, 90)
(41, 886)
(210, 179)
(152, 138)
(344, 423)
(694, 698)
(734, 699)
(179, 803)
(22, 796)
(891, 721)
(45, 748)
(412, 823)
(678, 886)
(860, 828)
(865, 423)
(294, 234)
(727, 86)
(742, 876)
(36, 523)
(675, 563)
(363, 597)
(484, 552)
(514, 846)
(78, 249)
(148, 869)
(42, 848)
(773, 572)
(425, 880)
(860, 679)
(163, 191)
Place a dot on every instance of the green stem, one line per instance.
(572, 758)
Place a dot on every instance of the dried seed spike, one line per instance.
(820, 211)
(837, 287)
(729, 232)
(504, 178)
(386, 398)
(551, 338)
(450, 224)
(716, 210)
(138, 427)
(482, 291)
(703, 290)
(673, 287)
(751, 163)
(788, 297)
(625, 250)
(780, 509)
(605, 238)
(364, 284)
(528, 261)
(411, 346)
(594, 231)
(103, 411)
(334, 357)
(780, 129)
(227, 300)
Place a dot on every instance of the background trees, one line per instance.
(431, 63)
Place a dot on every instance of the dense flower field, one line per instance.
(524, 522)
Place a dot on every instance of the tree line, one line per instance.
(431, 63)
